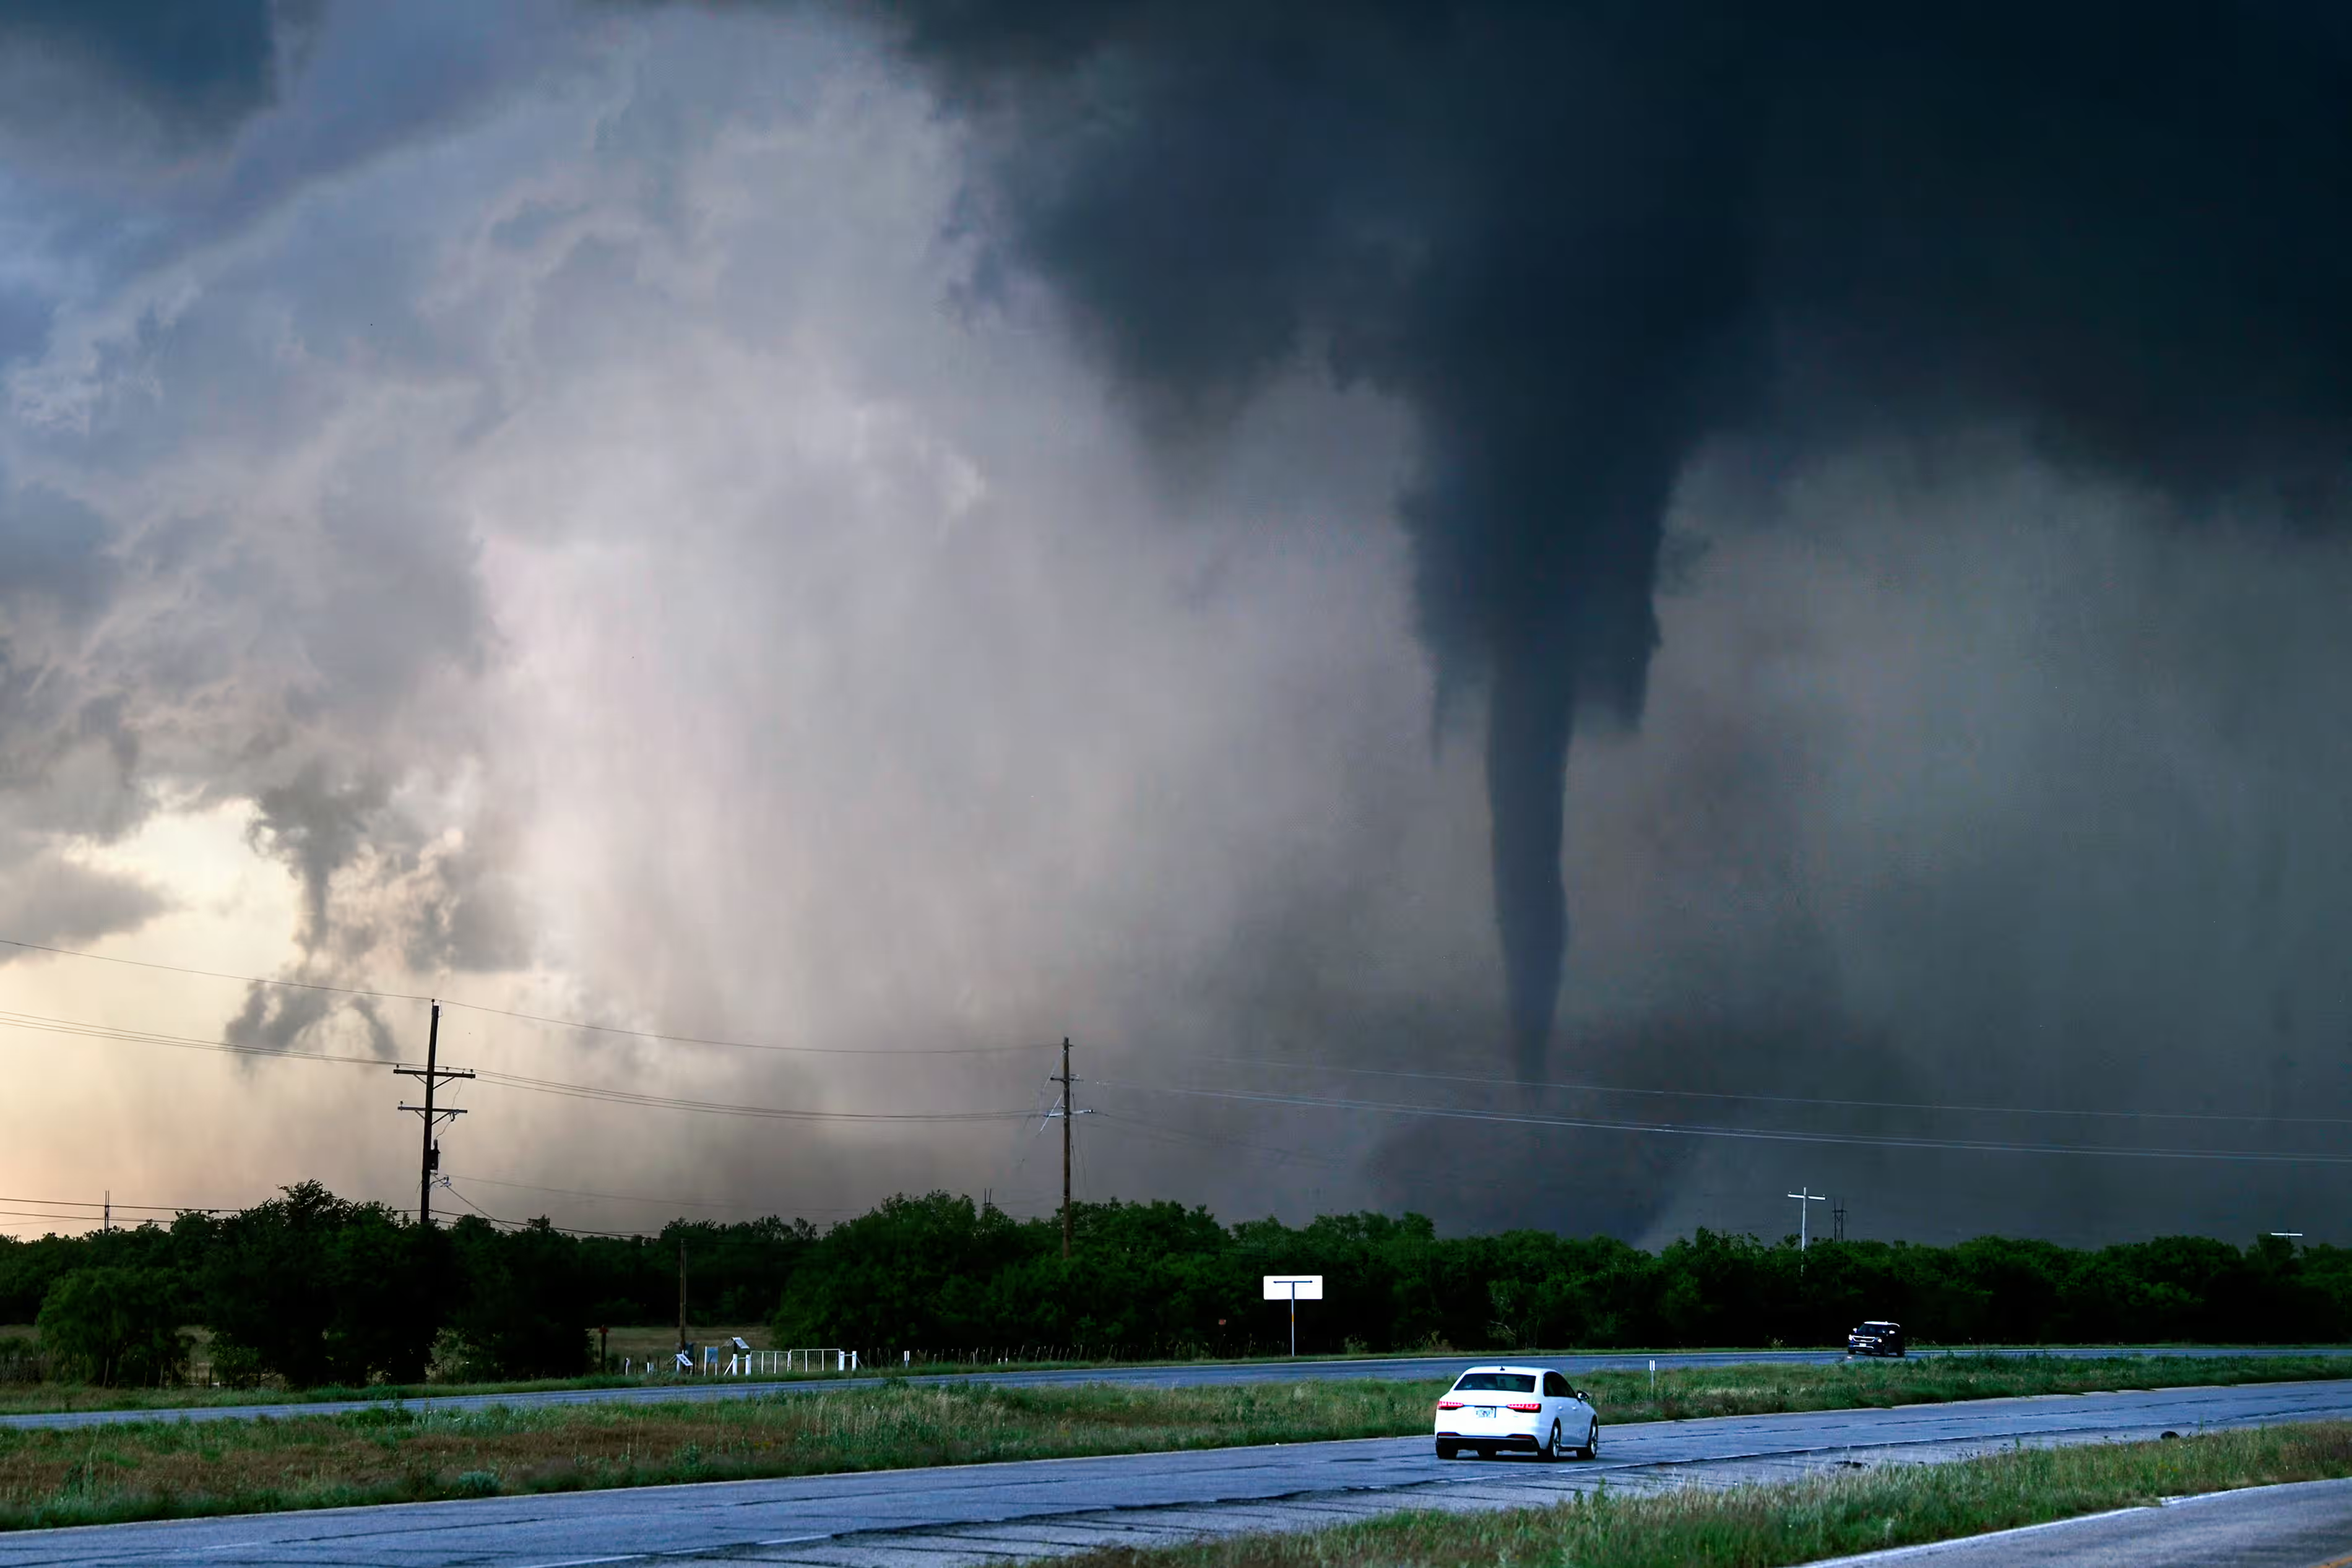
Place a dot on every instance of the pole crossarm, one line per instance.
(1808, 1196)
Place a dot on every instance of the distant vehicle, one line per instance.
(1517, 1409)
(1875, 1339)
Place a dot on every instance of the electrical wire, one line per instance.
(1750, 1099)
(1754, 1134)
(527, 1225)
(211, 974)
(135, 1207)
(71, 1027)
(29, 1214)
(722, 1108)
(752, 1045)
(1166, 1133)
(639, 1198)
(74, 1028)
(538, 1018)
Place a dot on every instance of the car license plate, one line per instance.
(1485, 1410)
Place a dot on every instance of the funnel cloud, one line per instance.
(1582, 241)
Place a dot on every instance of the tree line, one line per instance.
(311, 1290)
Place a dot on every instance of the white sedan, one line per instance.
(1522, 1410)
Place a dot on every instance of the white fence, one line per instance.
(749, 1363)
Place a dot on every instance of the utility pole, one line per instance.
(433, 1073)
(1837, 1219)
(681, 1292)
(1069, 1108)
(1067, 1112)
(110, 1209)
(1807, 1196)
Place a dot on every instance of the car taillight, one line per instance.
(1530, 1409)
(1449, 1405)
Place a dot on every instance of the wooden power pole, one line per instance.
(681, 1293)
(433, 1073)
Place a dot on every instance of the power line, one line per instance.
(536, 1017)
(74, 1028)
(1756, 1135)
(754, 1045)
(476, 1207)
(762, 1210)
(1168, 1134)
(722, 1108)
(141, 1208)
(28, 1214)
(1755, 1098)
(528, 1225)
(213, 974)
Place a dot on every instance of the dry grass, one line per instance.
(1765, 1527)
(164, 1468)
(380, 1453)
(639, 1343)
(1686, 1394)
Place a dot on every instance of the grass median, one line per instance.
(1768, 1526)
(167, 1467)
(153, 1470)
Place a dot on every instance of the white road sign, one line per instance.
(1294, 1287)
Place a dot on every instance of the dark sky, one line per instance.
(1783, 555)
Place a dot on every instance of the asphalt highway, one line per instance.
(979, 1513)
(1182, 1376)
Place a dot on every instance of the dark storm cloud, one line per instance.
(276, 1019)
(47, 898)
(188, 72)
(317, 824)
(1582, 240)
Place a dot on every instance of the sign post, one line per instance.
(1293, 1288)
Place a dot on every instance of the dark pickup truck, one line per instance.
(1875, 1339)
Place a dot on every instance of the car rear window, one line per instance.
(1496, 1383)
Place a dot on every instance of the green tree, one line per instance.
(320, 1291)
(523, 1309)
(115, 1326)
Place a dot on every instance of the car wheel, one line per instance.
(1591, 1449)
(1551, 1450)
(1447, 1450)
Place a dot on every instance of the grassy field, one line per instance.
(164, 1468)
(641, 1344)
(1682, 1393)
(1676, 1394)
(1764, 1527)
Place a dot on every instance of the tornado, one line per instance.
(1527, 723)
(1579, 240)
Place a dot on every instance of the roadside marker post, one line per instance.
(1293, 1288)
